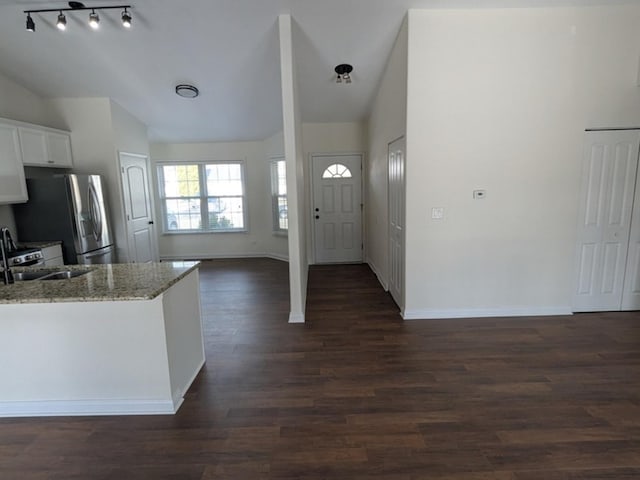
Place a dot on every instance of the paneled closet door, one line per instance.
(607, 199)
(631, 293)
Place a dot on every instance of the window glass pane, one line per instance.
(337, 170)
(183, 214)
(224, 179)
(181, 180)
(283, 218)
(281, 168)
(225, 212)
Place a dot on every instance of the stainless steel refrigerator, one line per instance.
(70, 208)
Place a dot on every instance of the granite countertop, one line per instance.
(102, 283)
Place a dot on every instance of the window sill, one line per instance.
(281, 233)
(201, 232)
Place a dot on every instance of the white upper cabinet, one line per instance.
(45, 148)
(59, 145)
(13, 188)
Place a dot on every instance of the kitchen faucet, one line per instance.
(6, 245)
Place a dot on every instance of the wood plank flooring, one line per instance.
(356, 393)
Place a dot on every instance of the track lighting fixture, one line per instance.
(343, 72)
(62, 22)
(94, 18)
(30, 25)
(126, 19)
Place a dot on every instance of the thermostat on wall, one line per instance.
(479, 194)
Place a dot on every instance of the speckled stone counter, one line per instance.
(114, 282)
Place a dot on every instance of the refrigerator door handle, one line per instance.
(94, 212)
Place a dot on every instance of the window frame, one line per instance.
(203, 197)
(275, 195)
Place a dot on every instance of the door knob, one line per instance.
(151, 222)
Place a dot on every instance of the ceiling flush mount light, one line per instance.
(187, 91)
(62, 22)
(343, 72)
(94, 18)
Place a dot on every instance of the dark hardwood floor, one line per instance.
(356, 393)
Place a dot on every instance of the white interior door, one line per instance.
(337, 208)
(631, 293)
(396, 220)
(138, 209)
(607, 196)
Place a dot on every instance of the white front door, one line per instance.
(607, 197)
(396, 220)
(137, 205)
(337, 208)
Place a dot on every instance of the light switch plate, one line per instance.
(437, 213)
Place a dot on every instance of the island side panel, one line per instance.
(85, 358)
(183, 327)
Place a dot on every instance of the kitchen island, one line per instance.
(118, 339)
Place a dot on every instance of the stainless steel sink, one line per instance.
(48, 275)
(24, 276)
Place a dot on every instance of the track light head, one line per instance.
(94, 20)
(62, 22)
(31, 26)
(126, 19)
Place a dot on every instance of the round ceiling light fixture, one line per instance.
(187, 91)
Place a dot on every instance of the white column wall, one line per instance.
(298, 264)
(387, 122)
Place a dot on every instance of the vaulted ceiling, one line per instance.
(229, 49)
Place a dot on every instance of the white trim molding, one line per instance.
(433, 314)
(296, 317)
(56, 408)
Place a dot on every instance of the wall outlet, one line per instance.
(437, 213)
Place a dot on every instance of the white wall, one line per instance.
(387, 122)
(99, 129)
(294, 157)
(338, 137)
(499, 100)
(257, 175)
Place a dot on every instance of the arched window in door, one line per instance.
(337, 170)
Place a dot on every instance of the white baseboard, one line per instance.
(178, 394)
(208, 256)
(375, 270)
(296, 317)
(56, 408)
(432, 314)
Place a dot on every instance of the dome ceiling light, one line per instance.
(187, 91)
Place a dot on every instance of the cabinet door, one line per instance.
(13, 188)
(59, 150)
(34, 146)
